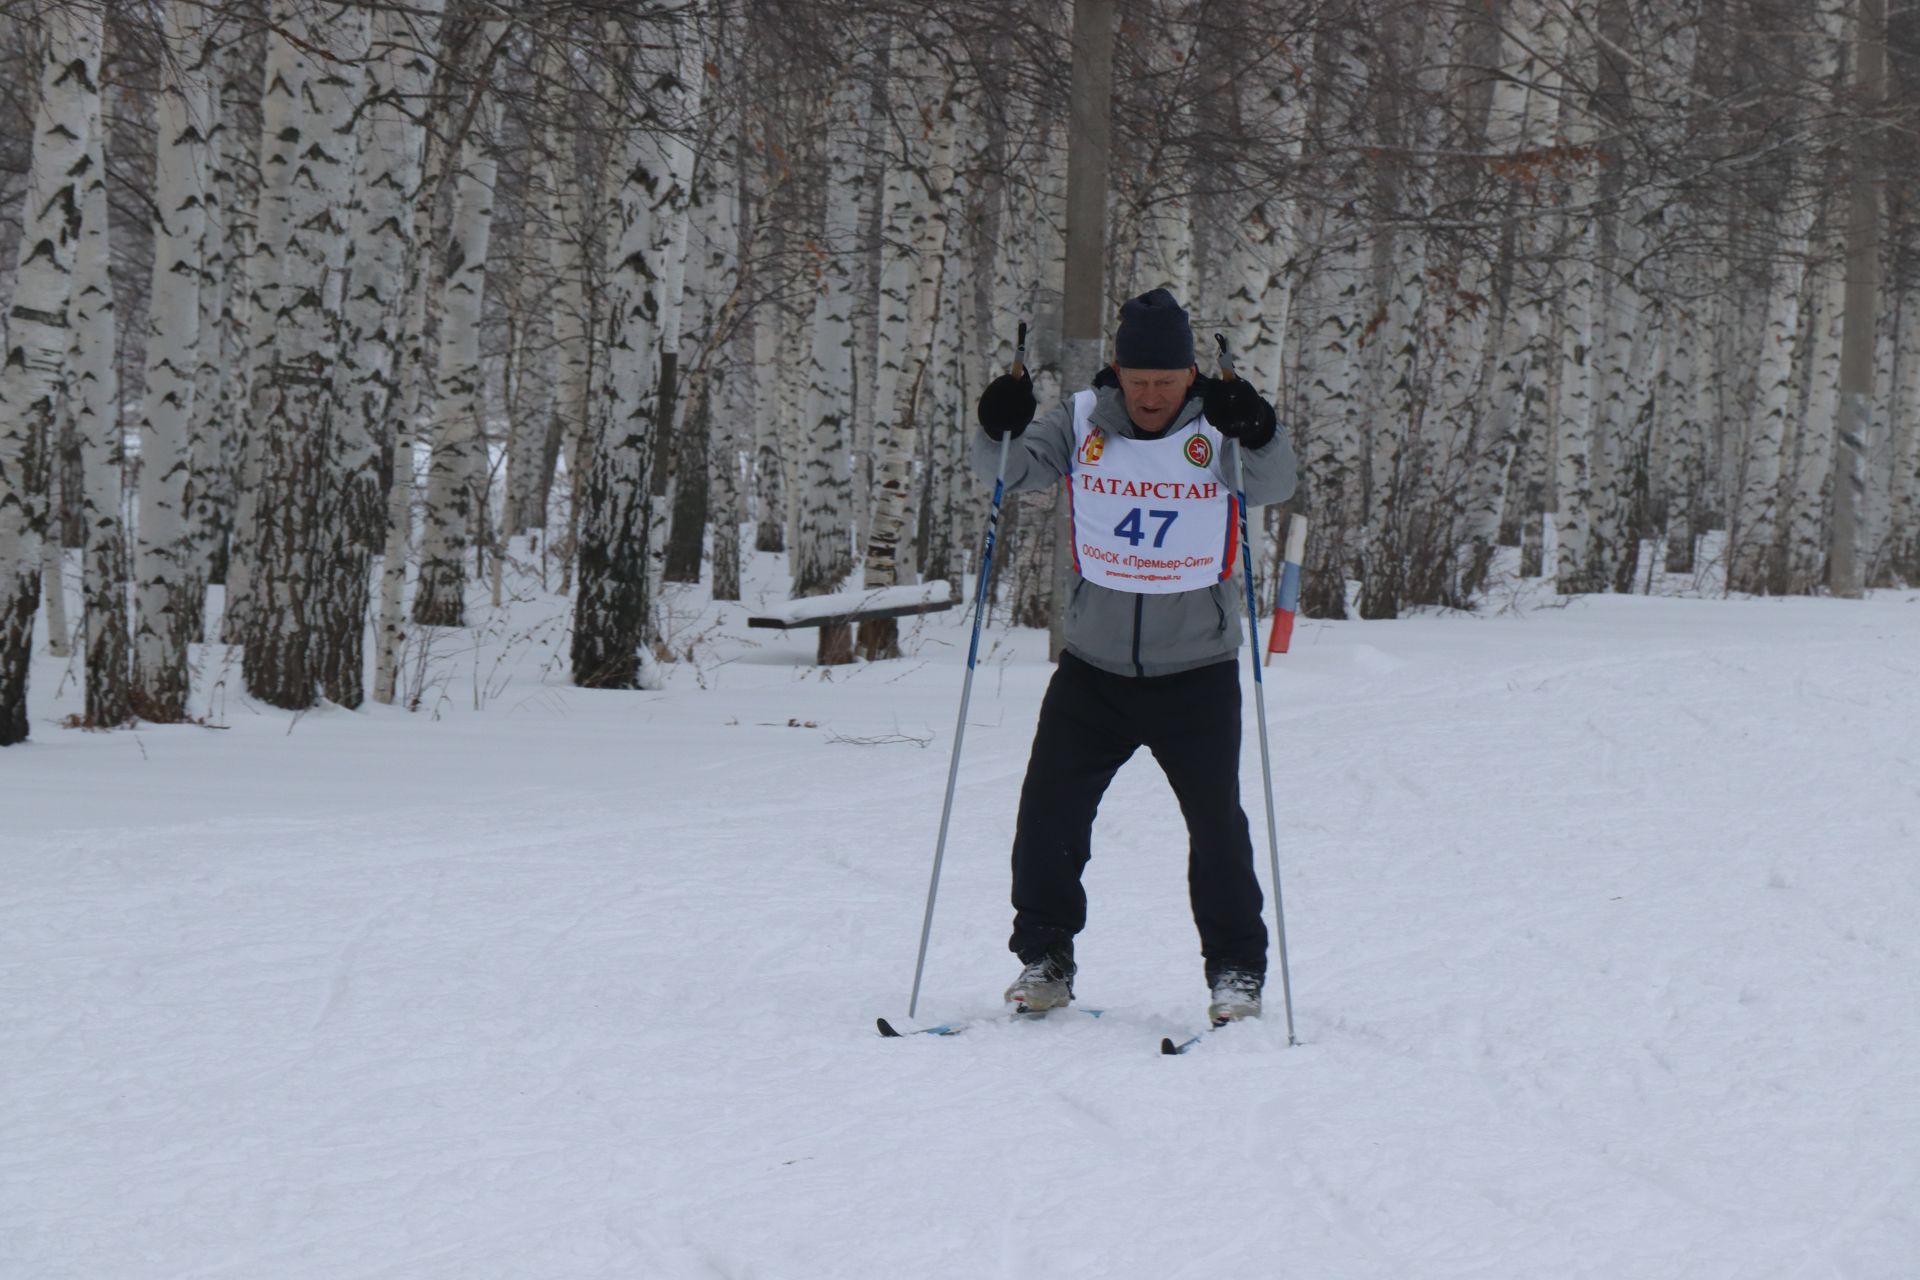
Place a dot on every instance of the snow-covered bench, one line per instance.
(869, 605)
(836, 614)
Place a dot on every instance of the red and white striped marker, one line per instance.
(1280, 635)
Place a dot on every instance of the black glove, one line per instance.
(1007, 405)
(1237, 412)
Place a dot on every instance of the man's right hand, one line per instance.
(1007, 405)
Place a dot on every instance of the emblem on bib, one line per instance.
(1199, 450)
(1090, 450)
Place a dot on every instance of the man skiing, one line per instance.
(1151, 636)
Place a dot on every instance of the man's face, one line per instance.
(1154, 396)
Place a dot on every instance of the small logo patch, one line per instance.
(1199, 450)
(1096, 444)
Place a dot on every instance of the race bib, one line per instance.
(1149, 516)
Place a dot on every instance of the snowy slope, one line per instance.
(1602, 939)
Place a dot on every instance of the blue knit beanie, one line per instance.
(1153, 334)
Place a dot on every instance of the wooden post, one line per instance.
(1089, 148)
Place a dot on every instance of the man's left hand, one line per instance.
(1237, 412)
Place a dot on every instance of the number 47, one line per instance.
(1131, 530)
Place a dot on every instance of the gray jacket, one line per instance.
(1124, 632)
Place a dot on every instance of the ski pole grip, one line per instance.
(1226, 357)
(1020, 351)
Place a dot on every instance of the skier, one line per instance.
(1152, 635)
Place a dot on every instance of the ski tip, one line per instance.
(886, 1029)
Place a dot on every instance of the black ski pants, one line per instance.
(1091, 723)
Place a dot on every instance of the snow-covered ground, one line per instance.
(1603, 939)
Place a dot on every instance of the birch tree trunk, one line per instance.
(918, 186)
(1572, 478)
(37, 336)
(946, 403)
(393, 137)
(669, 398)
(224, 391)
(183, 168)
(1163, 255)
(572, 321)
(770, 443)
(1339, 307)
(731, 394)
(405, 406)
(712, 300)
(459, 402)
(93, 405)
(1035, 518)
(1260, 289)
(824, 556)
(1879, 457)
(208, 485)
(732, 405)
(285, 656)
(1807, 512)
(1576, 269)
(1617, 353)
(528, 399)
(612, 606)
(789, 396)
(1691, 375)
(571, 220)
(1750, 535)
(1330, 444)
(1904, 540)
(53, 576)
(287, 66)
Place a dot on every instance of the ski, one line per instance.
(944, 1029)
(888, 1030)
(1167, 1045)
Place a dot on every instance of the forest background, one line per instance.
(338, 307)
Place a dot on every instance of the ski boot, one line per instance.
(1236, 994)
(1046, 982)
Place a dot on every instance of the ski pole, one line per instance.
(1259, 699)
(966, 686)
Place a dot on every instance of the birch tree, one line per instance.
(287, 66)
(93, 407)
(730, 389)
(455, 479)
(208, 486)
(37, 336)
(1578, 252)
(917, 185)
(569, 242)
(316, 57)
(408, 400)
(612, 604)
(183, 173)
(369, 386)
(711, 303)
(826, 500)
(224, 387)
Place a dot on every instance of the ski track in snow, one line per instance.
(1600, 919)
